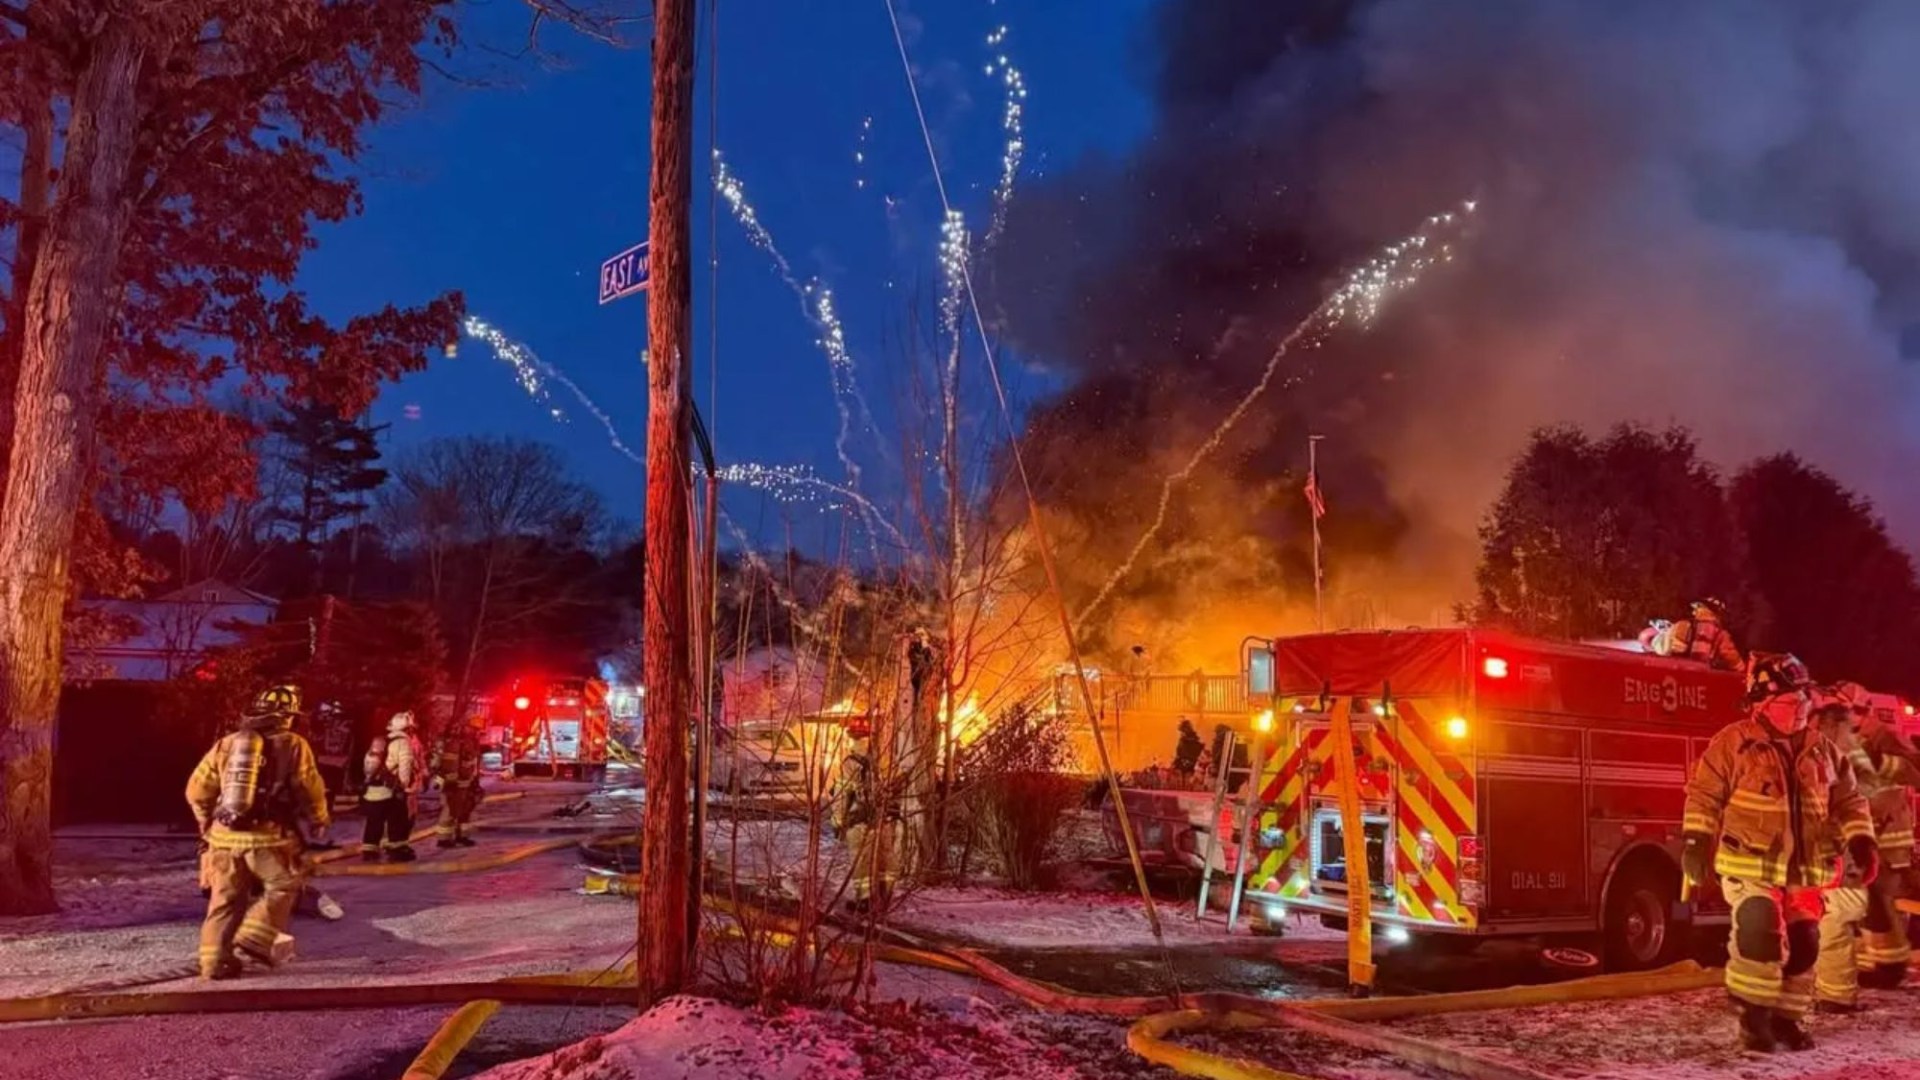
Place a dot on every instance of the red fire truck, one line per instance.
(1508, 786)
(559, 727)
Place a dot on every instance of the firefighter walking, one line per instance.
(1863, 938)
(1767, 799)
(394, 774)
(456, 772)
(253, 795)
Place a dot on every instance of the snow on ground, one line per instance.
(1685, 1037)
(999, 918)
(956, 1037)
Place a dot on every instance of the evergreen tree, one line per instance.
(330, 463)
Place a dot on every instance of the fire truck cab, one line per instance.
(1508, 786)
(560, 727)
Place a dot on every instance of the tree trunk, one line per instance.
(36, 189)
(65, 319)
(667, 660)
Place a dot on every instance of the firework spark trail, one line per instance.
(1357, 301)
(816, 302)
(1012, 124)
(533, 374)
(789, 485)
(860, 153)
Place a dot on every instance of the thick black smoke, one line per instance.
(1705, 213)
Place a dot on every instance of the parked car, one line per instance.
(774, 759)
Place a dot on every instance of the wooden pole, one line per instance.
(667, 660)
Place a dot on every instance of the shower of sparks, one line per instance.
(1012, 125)
(816, 301)
(953, 271)
(528, 370)
(735, 194)
(860, 153)
(1356, 302)
(533, 374)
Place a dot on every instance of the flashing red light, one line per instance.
(1495, 667)
(1469, 846)
(523, 702)
(1909, 710)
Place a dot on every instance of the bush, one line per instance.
(1019, 815)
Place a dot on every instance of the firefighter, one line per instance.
(1887, 767)
(1836, 985)
(254, 795)
(1701, 636)
(456, 772)
(852, 813)
(1760, 806)
(393, 770)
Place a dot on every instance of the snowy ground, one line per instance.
(131, 907)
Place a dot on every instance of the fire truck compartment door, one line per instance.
(1536, 846)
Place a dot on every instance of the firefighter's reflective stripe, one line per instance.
(1700, 823)
(1897, 841)
(1852, 827)
(1750, 800)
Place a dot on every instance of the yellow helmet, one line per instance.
(276, 701)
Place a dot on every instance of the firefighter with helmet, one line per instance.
(853, 815)
(455, 766)
(257, 797)
(1764, 805)
(1701, 636)
(394, 768)
(1887, 768)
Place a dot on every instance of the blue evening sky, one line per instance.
(516, 193)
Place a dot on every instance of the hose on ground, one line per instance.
(491, 860)
(298, 998)
(454, 1033)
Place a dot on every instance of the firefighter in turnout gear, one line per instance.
(1887, 768)
(1701, 636)
(1768, 798)
(1836, 985)
(257, 797)
(852, 815)
(456, 772)
(394, 771)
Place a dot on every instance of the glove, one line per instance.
(1864, 853)
(1695, 859)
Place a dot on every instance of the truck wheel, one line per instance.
(1334, 922)
(1640, 929)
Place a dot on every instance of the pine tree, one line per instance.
(331, 461)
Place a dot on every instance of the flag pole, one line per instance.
(1313, 481)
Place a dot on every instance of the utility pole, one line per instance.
(665, 908)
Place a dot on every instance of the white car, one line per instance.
(774, 759)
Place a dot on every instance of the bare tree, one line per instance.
(491, 522)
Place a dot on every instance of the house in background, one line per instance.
(113, 761)
(173, 632)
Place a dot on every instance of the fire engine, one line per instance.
(1508, 786)
(559, 727)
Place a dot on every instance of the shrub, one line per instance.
(1019, 815)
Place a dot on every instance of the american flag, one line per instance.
(1314, 501)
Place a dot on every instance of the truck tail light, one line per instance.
(1495, 667)
(1470, 850)
(1472, 885)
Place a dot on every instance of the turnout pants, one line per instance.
(1885, 951)
(1773, 946)
(236, 916)
(457, 803)
(389, 824)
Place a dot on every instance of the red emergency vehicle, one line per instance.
(1509, 786)
(559, 727)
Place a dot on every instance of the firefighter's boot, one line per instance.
(401, 853)
(1790, 1034)
(463, 841)
(370, 854)
(1756, 1028)
(224, 969)
(445, 842)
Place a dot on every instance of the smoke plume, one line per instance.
(1703, 213)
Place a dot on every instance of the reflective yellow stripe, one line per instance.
(1700, 823)
(1756, 989)
(1745, 867)
(1901, 839)
(1753, 800)
(1857, 827)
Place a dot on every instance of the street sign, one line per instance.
(624, 274)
